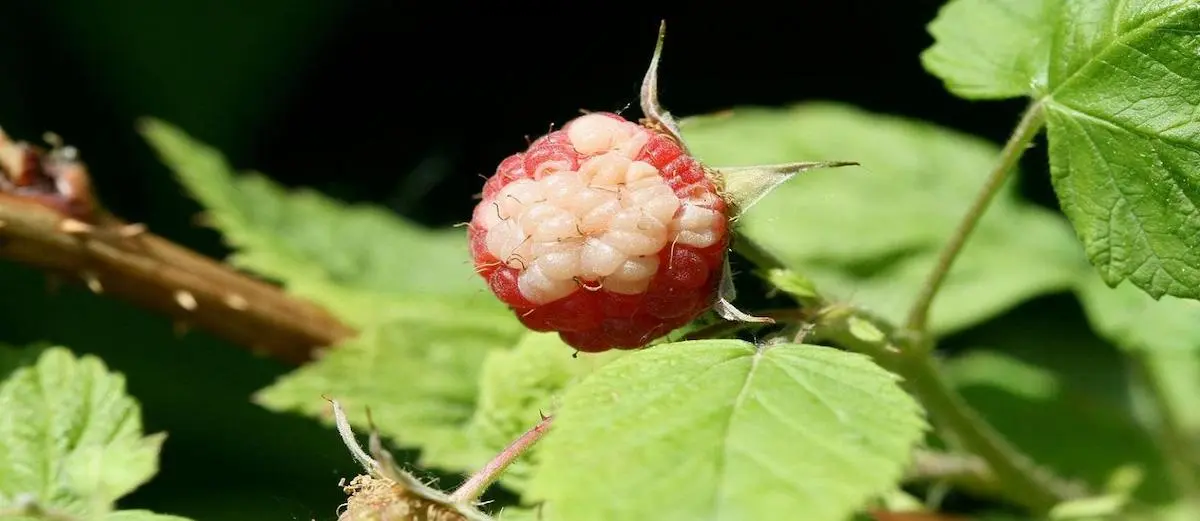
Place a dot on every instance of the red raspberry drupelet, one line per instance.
(604, 231)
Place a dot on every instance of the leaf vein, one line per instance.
(723, 460)
(1137, 30)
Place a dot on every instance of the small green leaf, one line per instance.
(1119, 84)
(872, 234)
(990, 49)
(419, 376)
(352, 258)
(721, 430)
(519, 385)
(70, 438)
(792, 283)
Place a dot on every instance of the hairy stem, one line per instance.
(112, 257)
(1023, 134)
(481, 480)
(1173, 440)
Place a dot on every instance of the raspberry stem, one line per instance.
(478, 483)
(1028, 128)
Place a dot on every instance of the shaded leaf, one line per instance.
(419, 376)
(1041, 366)
(1163, 334)
(872, 234)
(70, 437)
(352, 258)
(720, 430)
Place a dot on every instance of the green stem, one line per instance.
(1026, 130)
(1018, 476)
(1173, 441)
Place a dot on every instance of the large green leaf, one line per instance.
(872, 234)
(1120, 85)
(519, 385)
(352, 258)
(720, 429)
(70, 438)
(418, 375)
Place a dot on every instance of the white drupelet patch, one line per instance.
(605, 222)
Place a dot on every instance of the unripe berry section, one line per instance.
(604, 231)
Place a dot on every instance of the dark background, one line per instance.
(402, 104)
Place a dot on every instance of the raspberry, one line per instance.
(611, 233)
(605, 231)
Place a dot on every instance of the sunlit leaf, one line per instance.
(71, 439)
(722, 430)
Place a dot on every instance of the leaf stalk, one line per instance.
(1030, 125)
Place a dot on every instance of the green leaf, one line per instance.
(1119, 83)
(519, 385)
(792, 283)
(872, 234)
(990, 49)
(419, 376)
(70, 438)
(720, 430)
(1041, 366)
(355, 259)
